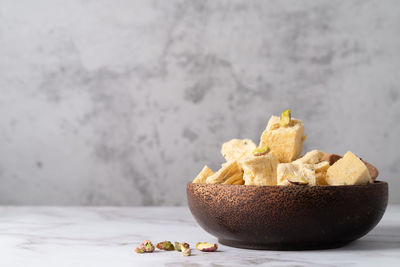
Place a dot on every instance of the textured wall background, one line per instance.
(123, 102)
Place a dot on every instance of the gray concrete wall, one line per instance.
(123, 102)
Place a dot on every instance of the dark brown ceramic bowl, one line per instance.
(287, 217)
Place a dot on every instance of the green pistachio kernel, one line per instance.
(285, 118)
(178, 246)
(139, 250)
(261, 151)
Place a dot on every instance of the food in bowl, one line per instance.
(277, 160)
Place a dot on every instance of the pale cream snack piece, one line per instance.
(314, 157)
(260, 170)
(228, 170)
(236, 178)
(237, 149)
(285, 142)
(323, 166)
(287, 170)
(349, 170)
(203, 175)
(311, 157)
(315, 174)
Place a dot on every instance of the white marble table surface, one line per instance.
(107, 236)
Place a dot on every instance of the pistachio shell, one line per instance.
(186, 251)
(145, 247)
(177, 246)
(139, 250)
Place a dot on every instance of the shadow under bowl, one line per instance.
(287, 217)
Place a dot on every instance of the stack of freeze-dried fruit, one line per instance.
(277, 160)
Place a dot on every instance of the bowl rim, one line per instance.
(375, 183)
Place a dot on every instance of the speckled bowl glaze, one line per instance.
(287, 217)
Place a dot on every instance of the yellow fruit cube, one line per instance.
(323, 166)
(349, 170)
(260, 170)
(285, 142)
(287, 171)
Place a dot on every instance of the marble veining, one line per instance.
(107, 236)
(123, 102)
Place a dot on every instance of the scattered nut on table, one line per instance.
(165, 245)
(206, 247)
(145, 247)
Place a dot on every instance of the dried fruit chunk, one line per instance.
(145, 247)
(260, 151)
(321, 167)
(260, 170)
(177, 246)
(165, 245)
(237, 149)
(234, 179)
(350, 170)
(311, 157)
(286, 116)
(203, 175)
(332, 158)
(228, 170)
(186, 251)
(288, 170)
(297, 180)
(286, 143)
(206, 247)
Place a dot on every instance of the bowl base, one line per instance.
(283, 246)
